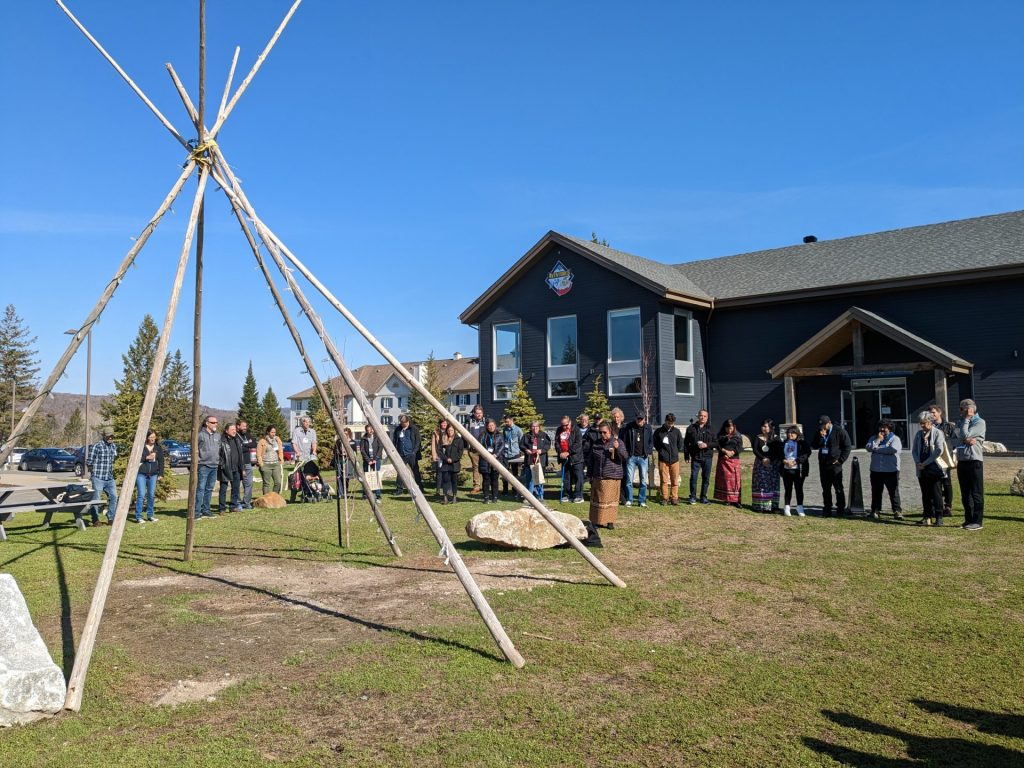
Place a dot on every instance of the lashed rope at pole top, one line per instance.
(200, 153)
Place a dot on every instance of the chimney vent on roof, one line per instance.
(810, 239)
(457, 356)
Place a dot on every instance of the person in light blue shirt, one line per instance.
(885, 448)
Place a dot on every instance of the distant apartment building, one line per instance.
(458, 379)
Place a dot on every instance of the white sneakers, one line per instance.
(786, 511)
(799, 511)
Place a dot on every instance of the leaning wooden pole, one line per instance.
(274, 243)
(76, 682)
(448, 550)
(91, 319)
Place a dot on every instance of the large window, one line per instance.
(506, 346)
(562, 368)
(683, 343)
(624, 351)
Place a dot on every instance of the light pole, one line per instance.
(88, 386)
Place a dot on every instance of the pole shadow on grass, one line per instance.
(320, 609)
(922, 751)
(441, 571)
(67, 632)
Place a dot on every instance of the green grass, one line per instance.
(742, 640)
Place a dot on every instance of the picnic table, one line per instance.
(45, 497)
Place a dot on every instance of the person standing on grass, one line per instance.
(371, 449)
(668, 442)
(493, 444)
(229, 470)
(833, 445)
(101, 472)
(270, 460)
(926, 452)
(607, 466)
(150, 471)
(304, 442)
(589, 437)
(450, 452)
(618, 423)
(764, 480)
(476, 426)
(970, 437)
(728, 477)
(406, 438)
(569, 444)
(535, 446)
(209, 461)
(435, 450)
(248, 443)
(511, 450)
(698, 448)
(794, 468)
(639, 441)
(948, 430)
(885, 450)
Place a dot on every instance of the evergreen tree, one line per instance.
(598, 240)
(122, 411)
(521, 408)
(422, 414)
(598, 406)
(74, 430)
(249, 406)
(172, 412)
(19, 364)
(320, 419)
(270, 415)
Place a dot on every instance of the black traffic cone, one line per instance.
(856, 495)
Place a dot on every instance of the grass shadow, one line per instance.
(934, 752)
(446, 570)
(67, 632)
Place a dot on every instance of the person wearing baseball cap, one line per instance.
(101, 470)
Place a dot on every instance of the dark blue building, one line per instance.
(878, 325)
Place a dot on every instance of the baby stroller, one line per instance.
(308, 484)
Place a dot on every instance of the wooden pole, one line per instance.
(86, 327)
(339, 425)
(227, 85)
(942, 392)
(790, 387)
(252, 72)
(138, 91)
(448, 550)
(274, 243)
(76, 681)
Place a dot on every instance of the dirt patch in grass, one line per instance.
(186, 691)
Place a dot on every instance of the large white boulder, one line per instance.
(522, 528)
(991, 447)
(31, 685)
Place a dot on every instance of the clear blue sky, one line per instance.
(409, 152)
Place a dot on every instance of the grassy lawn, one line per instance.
(742, 640)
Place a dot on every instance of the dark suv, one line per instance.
(178, 454)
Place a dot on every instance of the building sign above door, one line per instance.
(559, 279)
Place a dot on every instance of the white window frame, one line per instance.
(507, 375)
(558, 374)
(688, 379)
(631, 377)
(508, 387)
(621, 369)
(683, 369)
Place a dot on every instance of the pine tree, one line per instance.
(172, 412)
(74, 430)
(122, 411)
(320, 419)
(598, 240)
(598, 406)
(521, 408)
(249, 406)
(270, 415)
(422, 414)
(19, 364)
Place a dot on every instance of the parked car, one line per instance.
(79, 454)
(178, 454)
(14, 457)
(47, 460)
(289, 452)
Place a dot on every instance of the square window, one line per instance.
(624, 385)
(684, 385)
(562, 389)
(503, 391)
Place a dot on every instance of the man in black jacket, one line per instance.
(248, 443)
(668, 442)
(698, 450)
(569, 445)
(229, 470)
(639, 441)
(406, 438)
(833, 445)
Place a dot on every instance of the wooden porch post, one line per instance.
(942, 392)
(790, 384)
(858, 345)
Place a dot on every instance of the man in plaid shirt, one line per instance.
(101, 466)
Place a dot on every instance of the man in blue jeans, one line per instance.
(639, 440)
(101, 468)
(209, 459)
(698, 450)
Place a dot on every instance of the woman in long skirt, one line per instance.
(764, 485)
(728, 480)
(607, 460)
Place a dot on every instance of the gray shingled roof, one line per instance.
(665, 275)
(954, 246)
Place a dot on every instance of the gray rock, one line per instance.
(31, 685)
(1017, 484)
(990, 447)
(522, 528)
